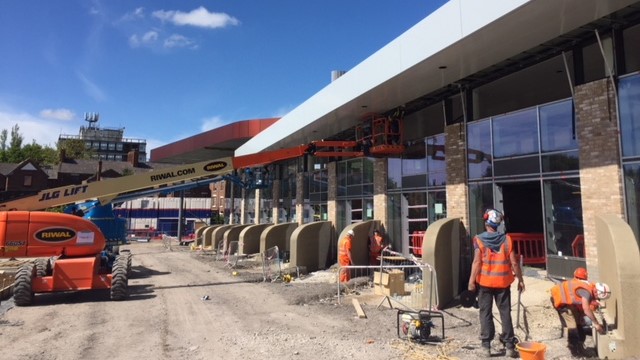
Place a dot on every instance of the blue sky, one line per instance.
(167, 70)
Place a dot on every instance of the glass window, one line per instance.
(87, 144)
(515, 134)
(480, 199)
(414, 161)
(417, 213)
(367, 171)
(632, 188)
(436, 161)
(557, 128)
(437, 205)
(354, 172)
(103, 145)
(631, 40)
(394, 174)
(318, 181)
(119, 146)
(112, 146)
(566, 161)
(479, 149)
(629, 94)
(563, 208)
(28, 181)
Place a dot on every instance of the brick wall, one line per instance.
(600, 173)
(332, 193)
(380, 170)
(457, 190)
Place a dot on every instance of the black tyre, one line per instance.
(127, 254)
(43, 267)
(119, 279)
(22, 290)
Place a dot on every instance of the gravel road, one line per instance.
(185, 305)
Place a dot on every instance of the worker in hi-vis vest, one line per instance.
(492, 272)
(344, 255)
(581, 298)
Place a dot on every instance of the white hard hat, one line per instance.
(350, 232)
(493, 217)
(602, 291)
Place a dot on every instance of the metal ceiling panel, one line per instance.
(461, 38)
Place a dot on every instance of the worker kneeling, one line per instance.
(580, 298)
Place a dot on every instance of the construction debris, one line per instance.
(359, 310)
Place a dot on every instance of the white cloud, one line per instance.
(43, 131)
(176, 40)
(147, 39)
(200, 17)
(133, 15)
(212, 123)
(58, 114)
(91, 88)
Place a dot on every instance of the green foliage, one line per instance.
(127, 172)
(40, 155)
(75, 149)
(15, 152)
(217, 219)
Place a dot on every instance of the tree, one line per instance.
(75, 149)
(3, 145)
(14, 152)
(40, 155)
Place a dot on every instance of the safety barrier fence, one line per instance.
(230, 255)
(220, 251)
(271, 264)
(531, 246)
(408, 282)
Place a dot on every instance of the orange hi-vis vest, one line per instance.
(566, 294)
(344, 246)
(496, 271)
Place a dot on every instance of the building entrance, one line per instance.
(521, 203)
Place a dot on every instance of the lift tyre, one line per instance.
(43, 267)
(22, 290)
(119, 279)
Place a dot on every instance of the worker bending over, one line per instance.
(580, 298)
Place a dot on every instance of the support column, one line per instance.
(600, 172)
(300, 198)
(275, 187)
(381, 168)
(332, 194)
(257, 205)
(456, 159)
(242, 206)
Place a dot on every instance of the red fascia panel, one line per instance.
(245, 129)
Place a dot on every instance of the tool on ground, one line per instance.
(468, 299)
(416, 325)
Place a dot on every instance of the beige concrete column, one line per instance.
(457, 189)
(257, 205)
(332, 193)
(380, 170)
(275, 187)
(242, 206)
(300, 198)
(600, 173)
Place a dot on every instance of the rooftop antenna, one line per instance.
(92, 119)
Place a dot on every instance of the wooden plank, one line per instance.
(356, 304)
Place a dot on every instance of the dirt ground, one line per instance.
(186, 305)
